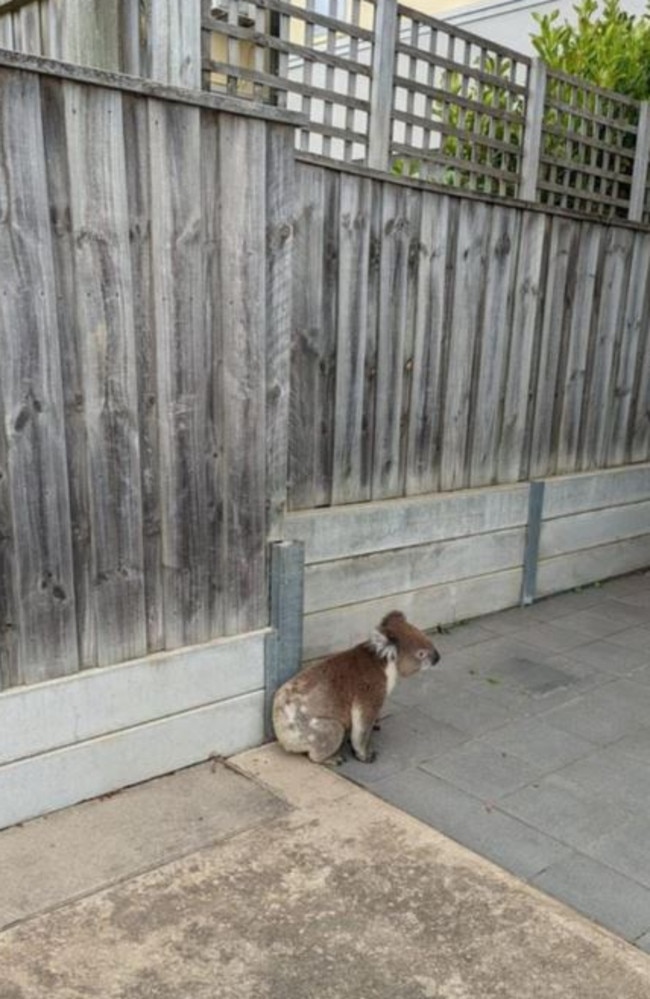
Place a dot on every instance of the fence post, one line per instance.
(533, 131)
(531, 551)
(381, 92)
(173, 37)
(640, 172)
(283, 653)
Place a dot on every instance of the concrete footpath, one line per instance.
(270, 877)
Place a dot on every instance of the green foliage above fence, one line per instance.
(607, 47)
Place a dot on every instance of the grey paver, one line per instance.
(535, 742)
(643, 943)
(496, 650)
(554, 637)
(482, 770)
(462, 636)
(642, 675)
(608, 657)
(476, 824)
(468, 708)
(605, 714)
(603, 894)
(627, 614)
(564, 811)
(627, 850)
(636, 744)
(592, 623)
(634, 638)
(531, 676)
(405, 739)
(614, 777)
(626, 586)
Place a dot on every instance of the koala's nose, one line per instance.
(435, 657)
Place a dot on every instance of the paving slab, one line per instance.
(600, 892)
(79, 850)
(339, 895)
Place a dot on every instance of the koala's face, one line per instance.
(415, 650)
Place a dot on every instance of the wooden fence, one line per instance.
(443, 342)
(143, 326)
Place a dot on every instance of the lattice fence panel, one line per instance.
(459, 106)
(588, 146)
(312, 56)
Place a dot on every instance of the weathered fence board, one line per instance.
(435, 254)
(491, 354)
(181, 365)
(527, 289)
(632, 342)
(243, 318)
(349, 481)
(313, 339)
(105, 336)
(138, 171)
(464, 341)
(39, 541)
(605, 345)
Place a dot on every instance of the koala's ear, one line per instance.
(391, 624)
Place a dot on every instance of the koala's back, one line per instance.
(330, 689)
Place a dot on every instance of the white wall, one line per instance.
(511, 22)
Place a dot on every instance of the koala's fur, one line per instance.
(313, 712)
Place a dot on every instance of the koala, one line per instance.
(315, 710)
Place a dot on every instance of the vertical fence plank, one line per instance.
(354, 246)
(436, 251)
(523, 355)
(174, 39)
(216, 407)
(138, 173)
(181, 367)
(487, 401)
(10, 672)
(555, 320)
(465, 329)
(27, 29)
(598, 397)
(313, 348)
(634, 326)
(391, 339)
(106, 337)
(638, 440)
(414, 213)
(280, 176)
(584, 299)
(64, 253)
(6, 31)
(243, 281)
(31, 389)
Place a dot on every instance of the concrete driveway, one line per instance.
(273, 879)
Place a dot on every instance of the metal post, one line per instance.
(533, 131)
(381, 92)
(531, 552)
(284, 644)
